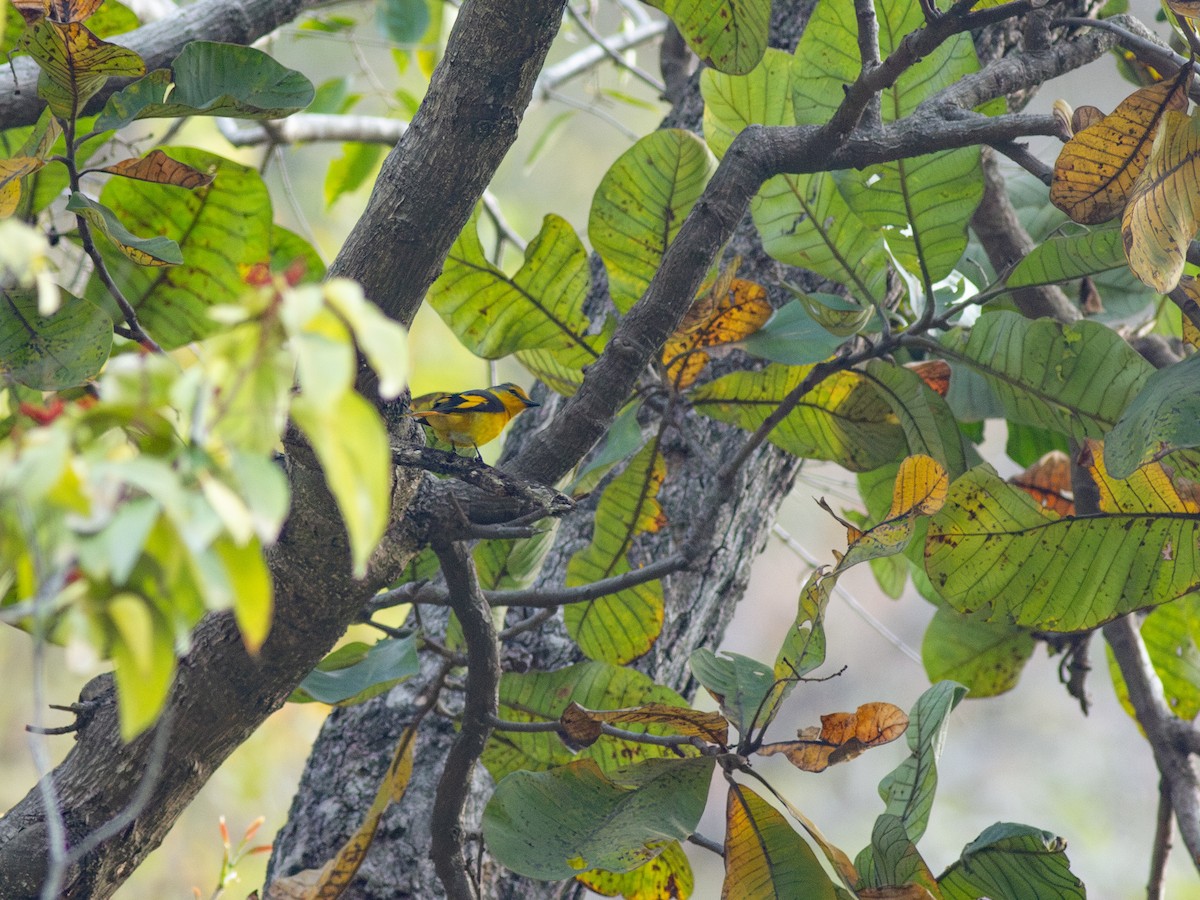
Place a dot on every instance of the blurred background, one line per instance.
(1028, 756)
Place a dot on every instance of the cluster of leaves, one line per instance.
(139, 488)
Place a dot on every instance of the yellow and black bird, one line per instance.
(472, 418)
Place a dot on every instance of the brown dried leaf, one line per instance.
(708, 726)
(935, 373)
(1096, 170)
(842, 736)
(1048, 481)
(159, 168)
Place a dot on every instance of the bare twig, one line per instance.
(603, 43)
(479, 710)
(1155, 887)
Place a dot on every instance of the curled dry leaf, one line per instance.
(1098, 167)
(1048, 481)
(935, 373)
(842, 736)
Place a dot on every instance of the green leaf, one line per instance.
(150, 252)
(253, 594)
(348, 172)
(793, 337)
(383, 341)
(222, 230)
(623, 439)
(1012, 862)
(908, 790)
(288, 249)
(622, 626)
(925, 202)
(640, 205)
(1027, 444)
(1164, 416)
(75, 64)
(356, 672)
(543, 696)
(892, 858)
(1073, 379)
(143, 654)
(986, 657)
(1065, 258)
(803, 648)
(53, 352)
(402, 21)
(541, 306)
(765, 859)
(763, 96)
(843, 419)
(928, 424)
(211, 79)
(992, 549)
(739, 684)
(1171, 634)
(727, 35)
(351, 444)
(556, 824)
(507, 565)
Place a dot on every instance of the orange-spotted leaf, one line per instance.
(75, 63)
(159, 168)
(765, 859)
(1148, 489)
(1048, 481)
(935, 373)
(666, 877)
(708, 726)
(733, 309)
(842, 736)
(64, 11)
(1098, 167)
(1163, 213)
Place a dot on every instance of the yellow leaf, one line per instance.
(1097, 168)
(1163, 212)
(920, 489)
(731, 310)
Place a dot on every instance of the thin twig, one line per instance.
(1156, 886)
(603, 43)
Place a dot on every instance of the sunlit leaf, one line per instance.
(843, 419)
(640, 205)
(1012, 862)
(556, 824)
(54, 352)
(143, 654)
(351, 444)
(733, 310)
(841, 737)
(729, 36)
(1073, 379)
(540, 307)
(211, 79)
(993, 550)
(222, 231)
(253, 595)
(666, 877)
(1097, 168)
(1163, 212)
(621, 626)
(75, 64)
(765, 859)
